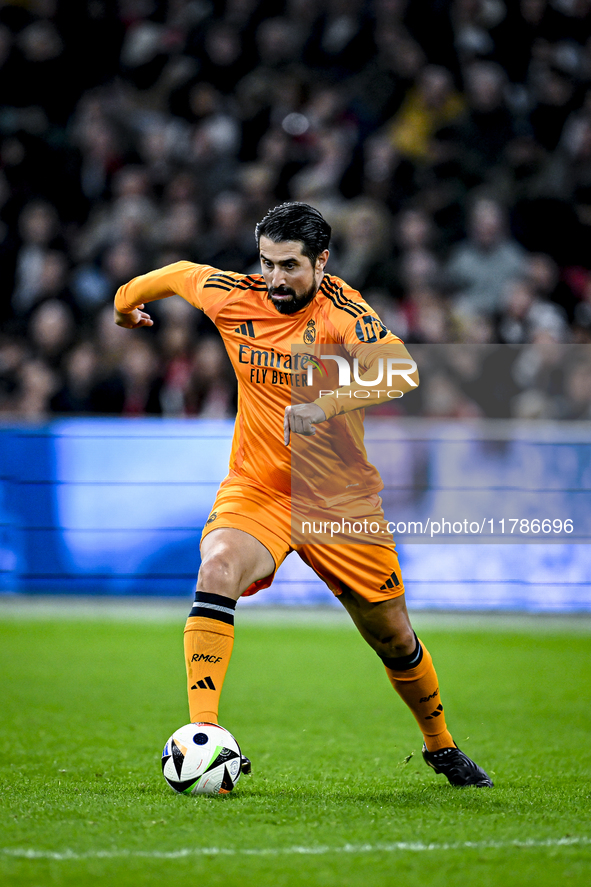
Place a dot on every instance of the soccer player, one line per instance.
(298, 450)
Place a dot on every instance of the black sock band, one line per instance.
(404, 663)
(214, 606)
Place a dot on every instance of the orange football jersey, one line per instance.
(270, 353)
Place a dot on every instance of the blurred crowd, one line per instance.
(448, 143)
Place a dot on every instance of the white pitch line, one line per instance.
(396, 847)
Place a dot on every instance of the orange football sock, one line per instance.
(418, 687)
(208, 642)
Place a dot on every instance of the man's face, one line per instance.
(292, 280)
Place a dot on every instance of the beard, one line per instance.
(296, 303)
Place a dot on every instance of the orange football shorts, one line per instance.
(325, 539)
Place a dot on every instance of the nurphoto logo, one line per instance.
(394, 366)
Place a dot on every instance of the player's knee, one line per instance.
(219, 574)
(401, 642)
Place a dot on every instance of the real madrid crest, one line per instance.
(310, 332)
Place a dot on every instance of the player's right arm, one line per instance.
(185, 279)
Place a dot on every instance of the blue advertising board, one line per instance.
(111, 506)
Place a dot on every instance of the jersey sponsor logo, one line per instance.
(263, 357)
(370, 328)
(288, 363)
(211, 518)
(205, 657)
(274, 367)
(246, 329)
(310, 332)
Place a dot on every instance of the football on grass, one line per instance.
(201, 759)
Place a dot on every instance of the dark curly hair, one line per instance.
(299, 222)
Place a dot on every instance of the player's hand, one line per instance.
(301, 418)
(134, 319)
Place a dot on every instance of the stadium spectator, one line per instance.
(480, 266)
(176, 346)
(80, 371)
(35, 385)
(487, 124)
(51, 331)
(101, 147)
(526, 315)
(229, 242)
(140, 380)
(418, 262)
(427, 107)
(362, 245)
(13, 355)
(576, 404)
(39, 232)
(212, 384)
(426, 314)
(179, 228)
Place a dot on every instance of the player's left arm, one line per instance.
(389, 359)
(385, 371)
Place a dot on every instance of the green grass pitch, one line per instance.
(339, 794)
